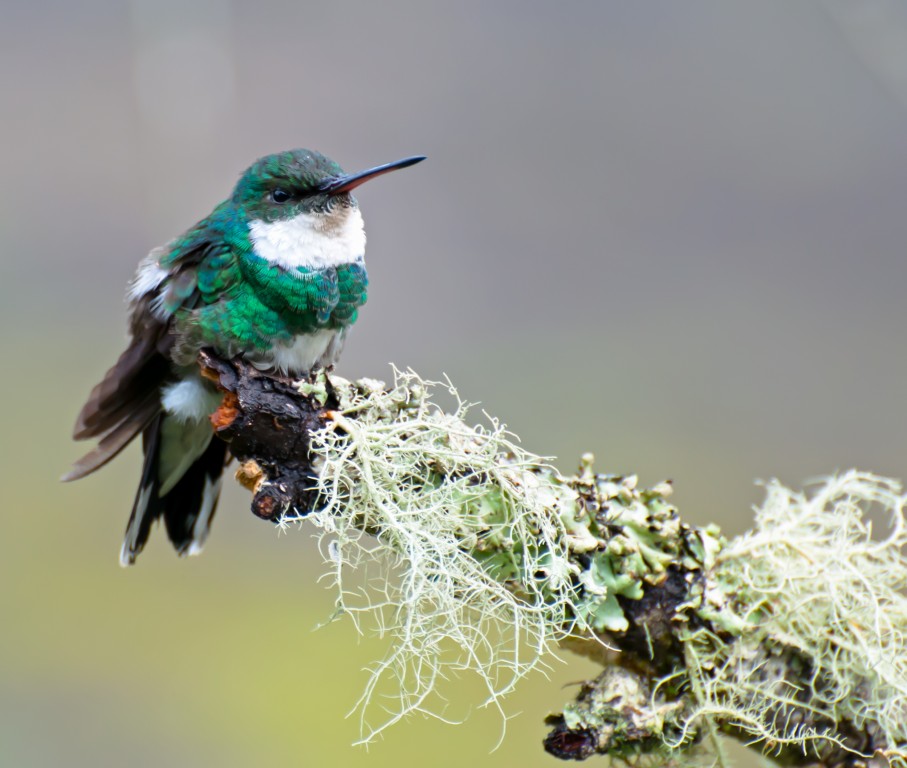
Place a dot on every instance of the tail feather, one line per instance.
(190, 506)
(187, 508)
(148, 504)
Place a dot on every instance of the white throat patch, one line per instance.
(309, 240)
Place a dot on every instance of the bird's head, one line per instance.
(282, 186)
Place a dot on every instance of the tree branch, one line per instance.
(790, 639)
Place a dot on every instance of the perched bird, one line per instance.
(274, 274)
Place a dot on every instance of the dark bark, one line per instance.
(265, 419)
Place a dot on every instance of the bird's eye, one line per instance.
(279, 195)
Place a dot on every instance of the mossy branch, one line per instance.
(476, 555)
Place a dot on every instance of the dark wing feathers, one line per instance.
(128, 397)
(139, 371)
(116, 439)
(128, 402)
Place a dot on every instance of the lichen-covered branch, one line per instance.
(473, 554)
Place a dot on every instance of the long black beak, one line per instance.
(340, 184)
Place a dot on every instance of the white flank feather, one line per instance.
(307, 351)
(149, 276)
(189, 399)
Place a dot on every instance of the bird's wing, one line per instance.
(128, 397)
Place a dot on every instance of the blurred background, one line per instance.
(668, 233)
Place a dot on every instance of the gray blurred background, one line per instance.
(668, 233)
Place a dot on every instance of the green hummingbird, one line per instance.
(275, 274)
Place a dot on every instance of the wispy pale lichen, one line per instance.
(813, 585)
(471, 553)
(456, 537)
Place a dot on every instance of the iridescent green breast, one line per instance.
(249, 304)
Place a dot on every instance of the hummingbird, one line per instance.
(274, 275)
